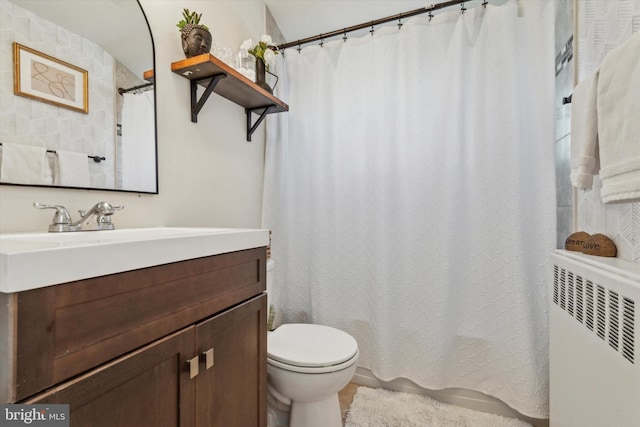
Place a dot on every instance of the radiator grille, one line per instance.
(601, 306)
(570, 292)
(579, 300)
(608, 314)
(628, 330)
(614, 323)
(589, 305)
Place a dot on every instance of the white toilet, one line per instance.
(306, 366)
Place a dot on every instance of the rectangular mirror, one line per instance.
(111, 146)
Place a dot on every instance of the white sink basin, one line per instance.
(34, 260)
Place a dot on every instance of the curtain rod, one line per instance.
(131, 89)
(380, 21)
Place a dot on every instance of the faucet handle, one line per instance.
(105, 208)
(61, 217)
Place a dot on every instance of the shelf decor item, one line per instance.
(265, 52)
(245, 62)
(214, 75)
(196, 37)
(46, 79)
(261, 76)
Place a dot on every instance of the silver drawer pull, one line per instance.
(208, 357)
(192, 367)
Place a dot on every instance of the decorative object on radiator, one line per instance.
(576, 241)
(599, 245)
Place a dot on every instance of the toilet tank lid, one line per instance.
(301, 344)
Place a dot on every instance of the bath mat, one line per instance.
(384, 408)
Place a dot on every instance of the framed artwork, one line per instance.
(44, 78)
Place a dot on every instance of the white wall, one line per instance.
(208, 174)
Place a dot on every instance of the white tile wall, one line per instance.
(564, 87)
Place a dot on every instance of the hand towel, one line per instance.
(619, 122)
(584, 133)
(23, 164)
(73, 169)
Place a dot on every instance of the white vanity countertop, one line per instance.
(34, 260)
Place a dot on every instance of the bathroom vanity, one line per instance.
(177, 343)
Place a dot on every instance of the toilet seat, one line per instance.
(314, 370)
(309, 348)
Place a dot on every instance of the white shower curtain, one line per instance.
(138, 142)
(410, 190)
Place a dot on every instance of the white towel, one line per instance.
(73, 169)
(584, 133)
(619, 122)
(23, 164)
(50, 168)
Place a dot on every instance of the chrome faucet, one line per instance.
(96, 218)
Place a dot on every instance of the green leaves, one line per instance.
(190, 18)
(264, 52)
(259, 49)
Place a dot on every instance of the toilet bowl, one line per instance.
(306, 366)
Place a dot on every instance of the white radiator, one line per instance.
(594, 342)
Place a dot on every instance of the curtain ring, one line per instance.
(344, 37)
(322, 42)
(485, 3)
(430, 16)
(299, 49)
(462, 8)
(400, 22)
(371, 30)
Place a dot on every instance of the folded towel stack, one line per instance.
(618, 100)
(605, 126)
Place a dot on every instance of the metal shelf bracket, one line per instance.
(252, 128)
(197, 104)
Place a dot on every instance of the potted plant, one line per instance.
(196, 37)
(265, 52)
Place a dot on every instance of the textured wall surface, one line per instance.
(24, 121)
(603, 25)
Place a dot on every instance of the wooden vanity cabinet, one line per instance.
(190, 339)
(236, 382)
(148, 387)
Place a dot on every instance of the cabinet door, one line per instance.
(232, 392)
(148, 387)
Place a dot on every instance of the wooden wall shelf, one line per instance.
(215, 76)
(149, 76)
